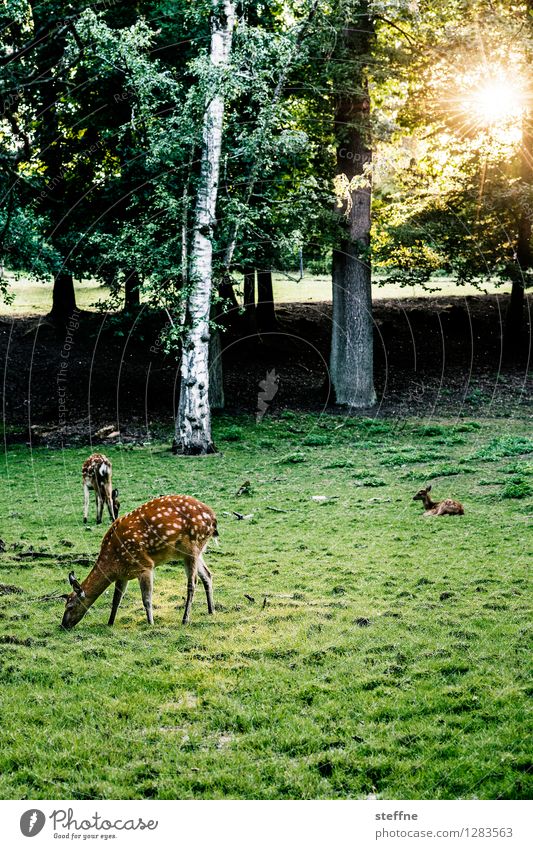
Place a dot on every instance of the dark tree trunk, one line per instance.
(249, 300)
(132, 293)
(514, 319)
(63, 299)
(266, 314)
(216, 372)
(352, 332)
(227, 292)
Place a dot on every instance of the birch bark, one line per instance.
(193, 425)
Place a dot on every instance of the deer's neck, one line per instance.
(428, 503)
(96, 581)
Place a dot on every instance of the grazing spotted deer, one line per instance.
(448, 507)
(96, 474)
(169, 527)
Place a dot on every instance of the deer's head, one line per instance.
(75, 606)
(116, 503)
(422, 493)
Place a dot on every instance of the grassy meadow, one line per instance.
(32, 297)
(379, 653)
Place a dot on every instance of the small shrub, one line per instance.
(370, 482)
(516, 488)
(465, 427)
(505, 446)
(316, 439)
(340, 464)
(295, 457)
(520, 467)
(233, 433)
(432, 430)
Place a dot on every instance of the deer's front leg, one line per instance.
(120, 589)
(146, 582)
(85, 503)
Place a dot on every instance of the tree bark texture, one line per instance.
(514, 319)
(63, 299)
(193, 426)
(132, 292)
(265, 312)
(351, 361)
(249, 300)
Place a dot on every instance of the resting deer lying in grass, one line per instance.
(169, 527)
(448, 507)
(96, 474)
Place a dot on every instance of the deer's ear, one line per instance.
(428, 488)
(75, 584)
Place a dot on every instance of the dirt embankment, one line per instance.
(438, 356)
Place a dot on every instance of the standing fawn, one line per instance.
(96, 474)
(448, 507)
(169, 527)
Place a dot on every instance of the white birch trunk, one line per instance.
(193, 426)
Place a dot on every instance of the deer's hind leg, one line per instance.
(109, 500)
(99, 504)
(85, 502)
(190, 562)
(207, 581)
(146, 582)
(120, 589)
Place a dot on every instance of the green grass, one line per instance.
(391, 656)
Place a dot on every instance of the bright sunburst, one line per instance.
(497, 102)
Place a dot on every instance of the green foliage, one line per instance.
(505, 446)
(317, 439)
(233, 433)
(517, 488)
(293, 458)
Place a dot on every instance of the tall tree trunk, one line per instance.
(216, 373)
(351, 362)
(514, 319)
(63, 299)
(193, 425)
(226, 291)
(266, 314)
(249, 300)
(132, 292)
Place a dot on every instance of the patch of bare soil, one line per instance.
(108, 378)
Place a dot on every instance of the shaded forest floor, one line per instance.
(433, 356)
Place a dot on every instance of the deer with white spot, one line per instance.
(167, 528)
(96, 474)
